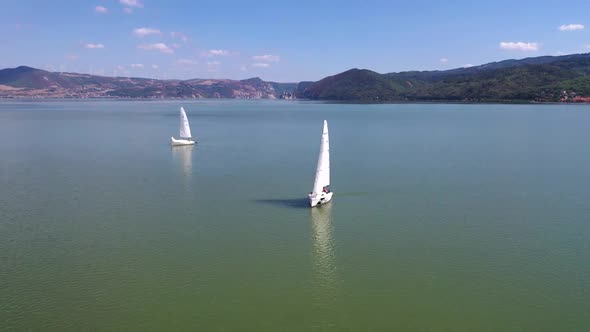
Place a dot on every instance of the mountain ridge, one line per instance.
(28, 82)
(533, 79)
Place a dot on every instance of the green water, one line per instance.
(444, 217)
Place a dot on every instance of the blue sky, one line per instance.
(284, 41)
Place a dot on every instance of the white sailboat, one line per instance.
(185, 131)
(321, 194)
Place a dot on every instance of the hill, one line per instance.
(531, 79)
(536, 79)
(27, 82)
(355, 84)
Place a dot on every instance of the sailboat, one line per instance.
(321, 194)
(185, 131)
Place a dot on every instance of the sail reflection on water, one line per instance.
(183, 156)
(323, 257)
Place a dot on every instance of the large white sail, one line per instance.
(185, 129)
(322, 174)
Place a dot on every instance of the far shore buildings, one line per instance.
(573, 97)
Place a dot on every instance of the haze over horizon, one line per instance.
(280, 41)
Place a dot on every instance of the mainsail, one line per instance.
(322, 174)
(185, 129)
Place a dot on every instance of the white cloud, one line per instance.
(467, 65)
(128, 10)
(179, 35)
(136, 65)
(261, 65)
(156, 67)
(519, 46)
(101, 9)
(120, 70)
(444, 60)
(571, 27)
(156, 47)
(72, 57)
(216, 53)
(186, 62)
(93, 46)
(142, 32)
(213, 65)
(132, 3)
(266, 58)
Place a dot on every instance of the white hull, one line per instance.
(322, 198)
(178, 142)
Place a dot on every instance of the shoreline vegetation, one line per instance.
(545, 79)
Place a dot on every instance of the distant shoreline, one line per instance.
(344, 102)
(537, 80)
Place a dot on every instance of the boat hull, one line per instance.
(319, 199)
(179, 142)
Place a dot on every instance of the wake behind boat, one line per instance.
(321, 194)
(185, 131)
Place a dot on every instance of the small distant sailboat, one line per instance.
(185, 131)
(321, 194)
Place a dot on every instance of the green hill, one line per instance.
(531, 79)
(355, 84)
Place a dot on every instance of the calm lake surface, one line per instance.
(444, 217)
